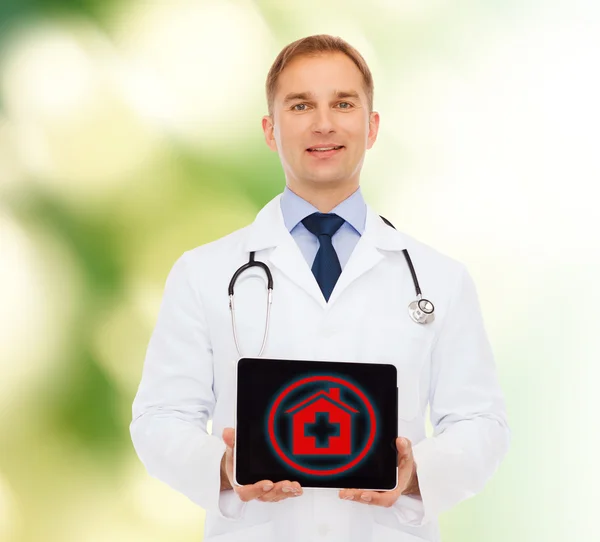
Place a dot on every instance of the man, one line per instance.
(342, 291)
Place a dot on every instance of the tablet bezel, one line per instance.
(335, 366)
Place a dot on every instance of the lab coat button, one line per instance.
(323, 529)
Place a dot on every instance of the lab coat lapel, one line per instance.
(376, 238)
(269, 231)
(363, 258)
(288, 258)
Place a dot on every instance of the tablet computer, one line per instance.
(323, 424)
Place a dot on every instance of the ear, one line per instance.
(268, 126)
(373, 128)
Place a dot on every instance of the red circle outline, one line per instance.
(337, 470)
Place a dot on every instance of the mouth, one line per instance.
(325, 152)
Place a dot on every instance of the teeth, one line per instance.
(325, 148)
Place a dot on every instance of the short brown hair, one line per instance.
(311, 46)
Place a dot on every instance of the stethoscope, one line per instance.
(421, 310)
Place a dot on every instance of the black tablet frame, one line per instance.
(263, 447)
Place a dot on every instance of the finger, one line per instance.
(354, 494)
(297, 488)
(290, 491)
(229, 457)
(406, 461)
(405, 473)
(254, 491)
(282, 490)
(378, 498)
(404, 447)
(348, 494)
(269, 496)
(406, 464)
(293, 492)
(229, 436)
(277, 492)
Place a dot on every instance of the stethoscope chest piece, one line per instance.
(421, 311)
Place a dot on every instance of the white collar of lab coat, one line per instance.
(268, 230)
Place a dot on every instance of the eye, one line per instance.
(297, 106)
(348, 104)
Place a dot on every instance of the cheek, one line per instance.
(357, 132)
(290, 146)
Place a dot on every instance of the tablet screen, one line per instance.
(323, 424)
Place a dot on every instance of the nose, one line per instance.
(323, 122)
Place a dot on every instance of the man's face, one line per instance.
(319, 103)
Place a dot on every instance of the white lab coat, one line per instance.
(189, 377)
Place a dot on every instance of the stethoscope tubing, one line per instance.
(251, 263)
(421, 311)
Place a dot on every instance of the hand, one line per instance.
(408, 482)
(265, 490)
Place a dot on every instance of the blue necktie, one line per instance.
(326, 267)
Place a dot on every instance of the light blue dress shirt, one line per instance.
(353, 210)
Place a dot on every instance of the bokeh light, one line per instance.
(8, 511)
(37, 288)
(74, 129)
(197, 75)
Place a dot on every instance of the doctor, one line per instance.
(341, 291)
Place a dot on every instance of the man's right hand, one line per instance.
(265, 490)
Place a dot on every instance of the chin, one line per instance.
(326, 176)
(330, 182)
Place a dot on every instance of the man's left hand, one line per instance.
(408, 483)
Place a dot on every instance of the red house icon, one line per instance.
(321, 425)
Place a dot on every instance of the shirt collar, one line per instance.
(294, 209)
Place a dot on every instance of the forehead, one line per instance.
(322, 74)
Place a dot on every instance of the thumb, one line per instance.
(405, 452)
(229, 436)
(401, 446)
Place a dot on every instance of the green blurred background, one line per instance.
(130, 132)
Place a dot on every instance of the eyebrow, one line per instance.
(293, 96)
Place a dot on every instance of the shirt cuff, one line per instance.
(230, 505)
(409, 510)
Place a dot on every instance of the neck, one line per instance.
(324, 198)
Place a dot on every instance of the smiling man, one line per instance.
(343, 280)
(321, 120)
